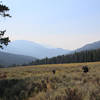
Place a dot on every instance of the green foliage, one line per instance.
(3, 40)
(3, 10)
(19, 89)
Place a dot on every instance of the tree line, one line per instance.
(76, 57)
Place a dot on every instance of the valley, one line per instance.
(50, 50)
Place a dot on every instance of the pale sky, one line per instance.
(67, 24)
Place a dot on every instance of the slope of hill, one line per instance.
(92, 46)
(29, 48)
(7, 59)
(83, 56)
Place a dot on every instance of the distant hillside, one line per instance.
(77, 57)
(92, 46)
(7, 59)
(29, 48)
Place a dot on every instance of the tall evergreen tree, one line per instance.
(3, 13)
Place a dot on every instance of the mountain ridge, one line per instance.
(28, 48)
(90, 46)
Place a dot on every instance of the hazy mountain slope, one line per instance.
(29, 48)
(92, 46)
(7, 59)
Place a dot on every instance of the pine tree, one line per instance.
(3, 10)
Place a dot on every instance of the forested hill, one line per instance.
(8, 59)
(83, 56)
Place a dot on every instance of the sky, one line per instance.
(67, 24)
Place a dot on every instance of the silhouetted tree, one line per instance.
(3, 10)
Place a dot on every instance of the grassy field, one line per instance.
(39, 83)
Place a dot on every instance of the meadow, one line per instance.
(40, 83)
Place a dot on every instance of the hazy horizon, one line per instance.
(50, 46)
(67, 24)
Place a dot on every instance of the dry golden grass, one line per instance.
(38, 70)
(68, 76)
